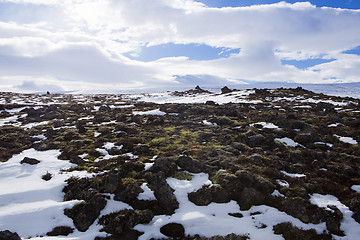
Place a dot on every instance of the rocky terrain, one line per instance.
(280, 163)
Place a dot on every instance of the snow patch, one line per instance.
(265, 125)
(151, 112)
(293, 175)
(30, 205)
(356, 188)
(147, 194)
(288, 141)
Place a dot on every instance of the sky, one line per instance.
(106, 45)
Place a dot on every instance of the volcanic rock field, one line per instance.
(251, 164)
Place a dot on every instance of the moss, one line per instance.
(181, 175)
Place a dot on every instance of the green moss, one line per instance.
(182, 175)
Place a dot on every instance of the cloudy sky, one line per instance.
(64, 45)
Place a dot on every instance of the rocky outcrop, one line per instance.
(85, 213)
(120, 223)
(7, 235)
(163, 192)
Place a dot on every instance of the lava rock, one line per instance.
(121, 223)
(7, 235)
(84, 214)
(289, 232)
(31, 161)
(205, 195)
(61, 231)
(173, 230)
(333, 220)
(225, 90)
(163, 164)
(163, 192)
(191, 165)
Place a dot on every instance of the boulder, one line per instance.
(173, 230)
(60, 231)
(31, 161)
(121, 223)
(163, 193)
(225, 90)
(205, 195)
(7, 235)
(85, 213)
(257, 140)
(289, 232)
(191, 165)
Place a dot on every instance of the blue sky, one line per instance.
(88, 44)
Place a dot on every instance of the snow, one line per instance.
(167, 97)
(334, 125)
(113, 206)
(35, 124)
(41, 137)
(350, 227)
(151, 112)
(96, 134)
(148, 166)
(8, 120)
(347, 139)
(109, 145)
(147, 194)
(30, 205)
(214, 219)
(288, 141)
(265, 125)
(207, 123)
(293, 175)
(276, 193)
(283, 183)
(322, 143)
(356, 188)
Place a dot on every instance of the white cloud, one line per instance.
(86, 40)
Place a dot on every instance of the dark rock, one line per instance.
(211, 103)
(257, 159)
(127, 191)
(333, 220)
(237, 215)
(173, 230)
(104, 108)
(7, 235)
(261, 92)
(231, 236)
(289, 232)
(205, 195)
(191, 165)
(300, 208)
(225, 90)
(163, 192)
(355, 207)
(61, 231)
(121, 223)
(240, 146)
(348, 170)
(31, 161)
(249, 197)
(257, 140)
(47, 176)
(84, 214)
(166, 165)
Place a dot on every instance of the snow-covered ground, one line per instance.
(214, 219)
(30, 205)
